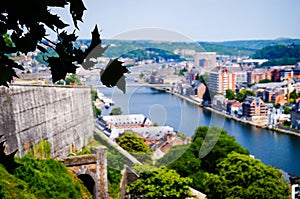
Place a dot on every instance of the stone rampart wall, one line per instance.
(60, 114)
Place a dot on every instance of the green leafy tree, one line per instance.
(73, 79)
(287, 110)
(132, 143)
(276, 106)
(265, 81)
(293, 96)
(230, 94)
(240, 96)
(160, 183)
(116, 111)
(240, 176)
(190, 165)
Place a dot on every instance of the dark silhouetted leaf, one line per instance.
(94, 51)
(76, 9)
(7, 160)
(60, 68)
(41, 48)
(113, 75)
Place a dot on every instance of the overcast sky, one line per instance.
(198, 20)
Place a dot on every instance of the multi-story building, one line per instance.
(254, 106)
(222, 78)
(205, 59)
(258, 74)
(288, 72)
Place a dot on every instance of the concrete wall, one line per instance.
(60, 114)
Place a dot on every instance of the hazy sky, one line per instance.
(199, 20)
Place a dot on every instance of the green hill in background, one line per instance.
(233, 48)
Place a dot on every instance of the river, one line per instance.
(275, 149)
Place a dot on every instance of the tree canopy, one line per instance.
(240, 176)
(240, 96)
(230, 94)
(116, 111)
(227, 171)
(132, 143)
(160, 183)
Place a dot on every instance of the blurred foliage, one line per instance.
(114, 158)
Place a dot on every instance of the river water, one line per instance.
(276, 149)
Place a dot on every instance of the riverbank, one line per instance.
(192, 101)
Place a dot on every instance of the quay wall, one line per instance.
(62, 115)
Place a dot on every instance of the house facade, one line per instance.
(254, 106)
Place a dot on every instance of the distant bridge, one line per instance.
(139, 85)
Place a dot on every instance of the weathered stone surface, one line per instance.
(60, 114)
(94, 165)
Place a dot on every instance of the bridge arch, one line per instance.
(92, 170)
(88, 182)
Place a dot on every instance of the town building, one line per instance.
(288, 72)
(220, 79)
(219, 102)
(258, 74)
(277, 117)
(295, 116)
(205, 59)
(278, 98)
(254, 106)
(234, 108)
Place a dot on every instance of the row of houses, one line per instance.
(222, 78)
(254, 109)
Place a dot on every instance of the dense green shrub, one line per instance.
(50, 179)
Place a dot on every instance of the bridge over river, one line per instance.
(139, 85)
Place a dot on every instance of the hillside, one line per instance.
(257, 44)
(185, 49)
(279, 55)
(120, 47)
